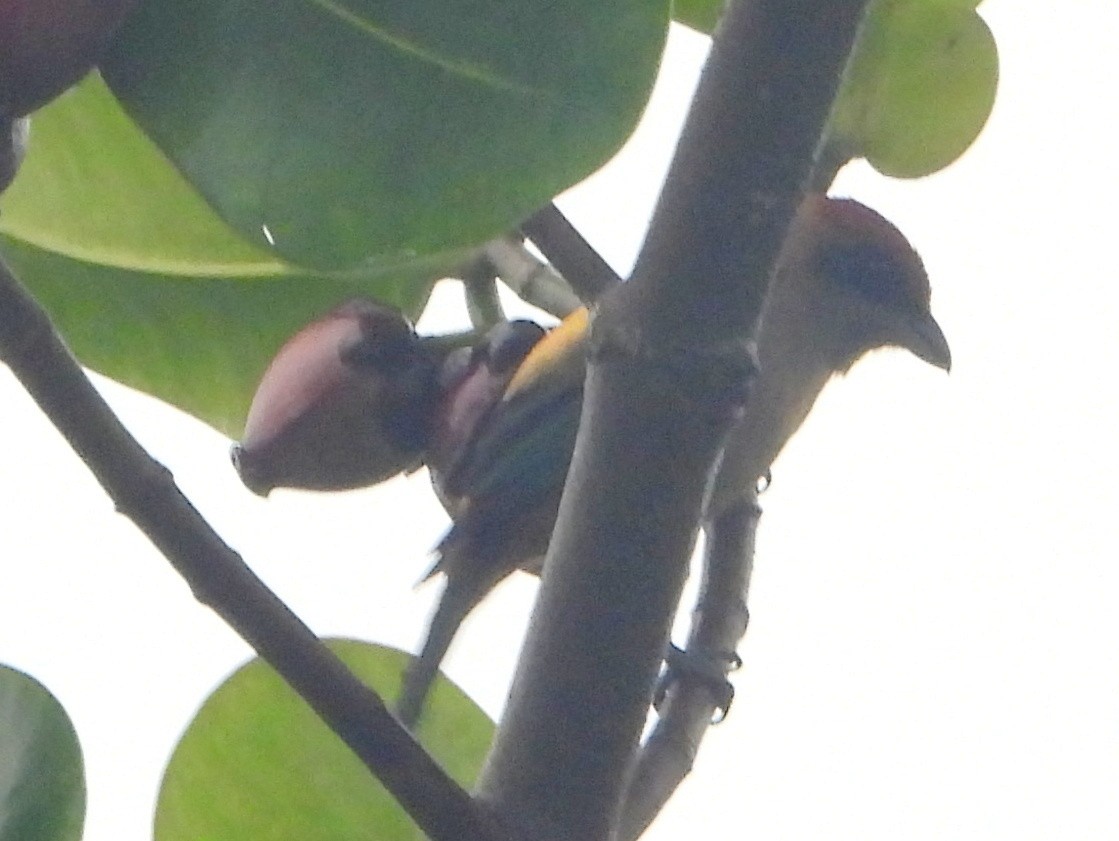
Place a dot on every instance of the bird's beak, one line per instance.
(924, 338)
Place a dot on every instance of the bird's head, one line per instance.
(868, 287)
(348, 401)
(472, 381)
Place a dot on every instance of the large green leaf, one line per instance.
(146, 283)
(920, 87)
(256, 763)
(363, 131)
(42, 781)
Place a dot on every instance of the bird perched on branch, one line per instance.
(848, 282)
(507, 411)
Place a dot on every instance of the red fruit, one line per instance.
(347, 402)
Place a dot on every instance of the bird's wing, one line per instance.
(556, 362)
(523, 445)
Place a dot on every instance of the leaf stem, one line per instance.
(532, 279)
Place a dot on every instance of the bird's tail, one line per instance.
(467, 583)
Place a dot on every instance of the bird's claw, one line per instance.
(706, 667)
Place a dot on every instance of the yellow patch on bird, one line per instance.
(560, 353)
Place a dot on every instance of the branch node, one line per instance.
(151, 484)
(714, 374)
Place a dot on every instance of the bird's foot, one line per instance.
(703, 666)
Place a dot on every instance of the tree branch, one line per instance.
(143, 490)
(567, 250)
(533, 280)
(479, 284)
(668, 360)
(718, 625)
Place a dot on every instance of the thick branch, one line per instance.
(718, 624)
(668, 358)
(144, 491)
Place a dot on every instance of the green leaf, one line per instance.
(921, 86)
(701, 15)
(42, 780)
(256, 763)
(145, 282)
(373, 131)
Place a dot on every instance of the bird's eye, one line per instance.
(865, 269)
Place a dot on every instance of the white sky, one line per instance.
(933, 652)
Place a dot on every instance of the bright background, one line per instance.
(933, 652)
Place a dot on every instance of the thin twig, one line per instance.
(567, 250)
(718, 624)
(532, 279)
(144, 491)
(479, 283)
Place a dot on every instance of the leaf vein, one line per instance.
(464, 69)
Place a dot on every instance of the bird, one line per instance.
(357, 397)
(847, 282)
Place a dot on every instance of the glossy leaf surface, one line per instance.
(373, 132)
(921, 86)
(146, 283)
(701, 15)
(42, 778)
(257, 763)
